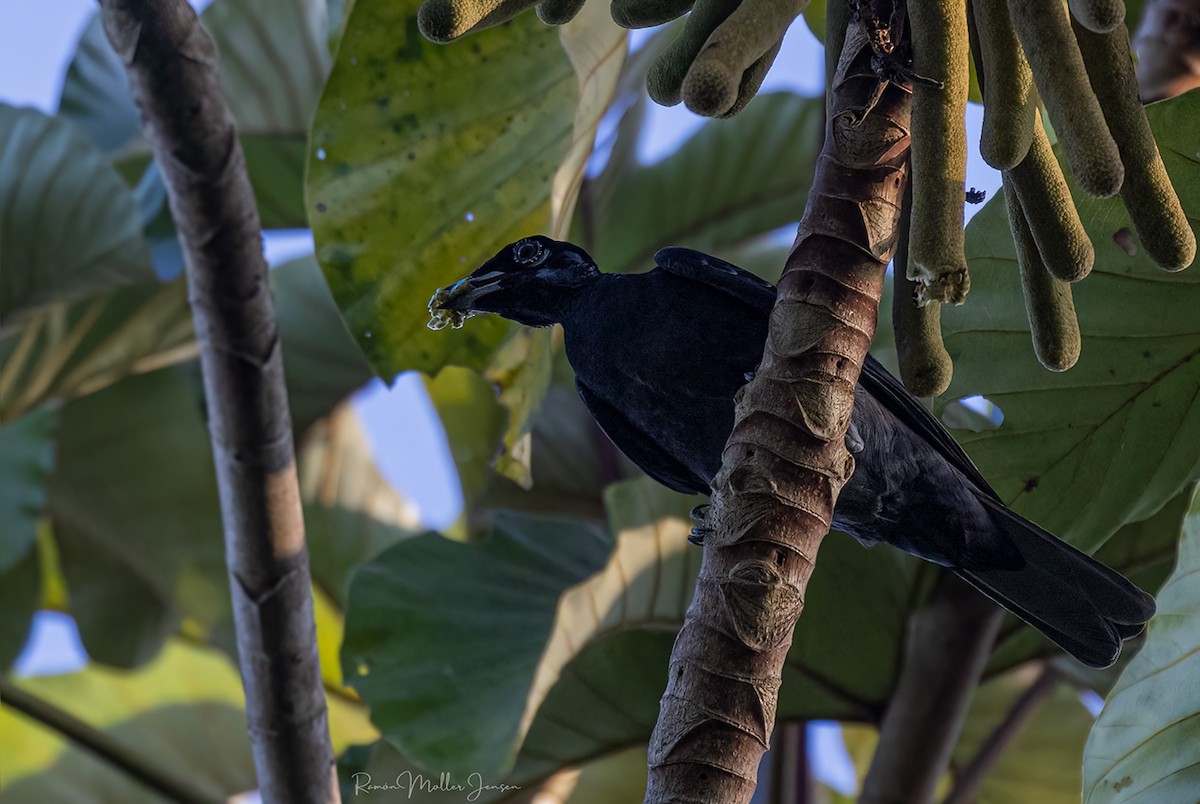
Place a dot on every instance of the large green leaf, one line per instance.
(135, 463)
(732, 180)
(72, 350)
(426, 655)
(351, 513)
(425, 159)
(1145, 746)
(134, 506)
(814, 18)
(26, 459)
(321, 362)
(1041, 764)
(70, 225)
(521, 370)
(337, 470)
(474, 424)
(631, 98)
(507, 644)
(95, 94)
(20, 590)
(273, 63)
(572, 462)
(1114, 438)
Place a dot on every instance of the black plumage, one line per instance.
(658, 357)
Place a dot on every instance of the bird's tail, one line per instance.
(1082, 605)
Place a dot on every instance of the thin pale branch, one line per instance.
(968, 782)
(100, 745)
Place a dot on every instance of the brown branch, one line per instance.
(968, 782)
(947, 647)
(172, 69)
(101, 745)
(785, 461)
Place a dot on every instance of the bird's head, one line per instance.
(529, 281)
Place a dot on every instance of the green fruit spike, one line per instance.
(1099, 16)
(925, 365)
(647, 13)
(1050, 212)
(1009, 97)
(1048, 302)
(752, 79)
(1045, 35)
(446, 20)
(1148, 195)
(557, 12)
(665, 79)
(715, 79)
(939, 150)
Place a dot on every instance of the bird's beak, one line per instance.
(452, 305)
(462, 295)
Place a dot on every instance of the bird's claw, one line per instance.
(698, 515)
(854, 440)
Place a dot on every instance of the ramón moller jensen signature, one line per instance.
(409, 783)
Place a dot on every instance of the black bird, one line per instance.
(658, 357)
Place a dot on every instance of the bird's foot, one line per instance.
(854, 440)
(698, 515)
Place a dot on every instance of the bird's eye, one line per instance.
(528, 252)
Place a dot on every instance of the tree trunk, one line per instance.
(172, 70)
(785, 461)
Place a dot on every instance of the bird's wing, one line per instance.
(639, 446)
(891, 393)
(875, 379)
(716, 273)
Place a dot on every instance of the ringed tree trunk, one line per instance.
(172, 67)
(785, 461)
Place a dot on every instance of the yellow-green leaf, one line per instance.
(1145, 746)
(424, 160)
